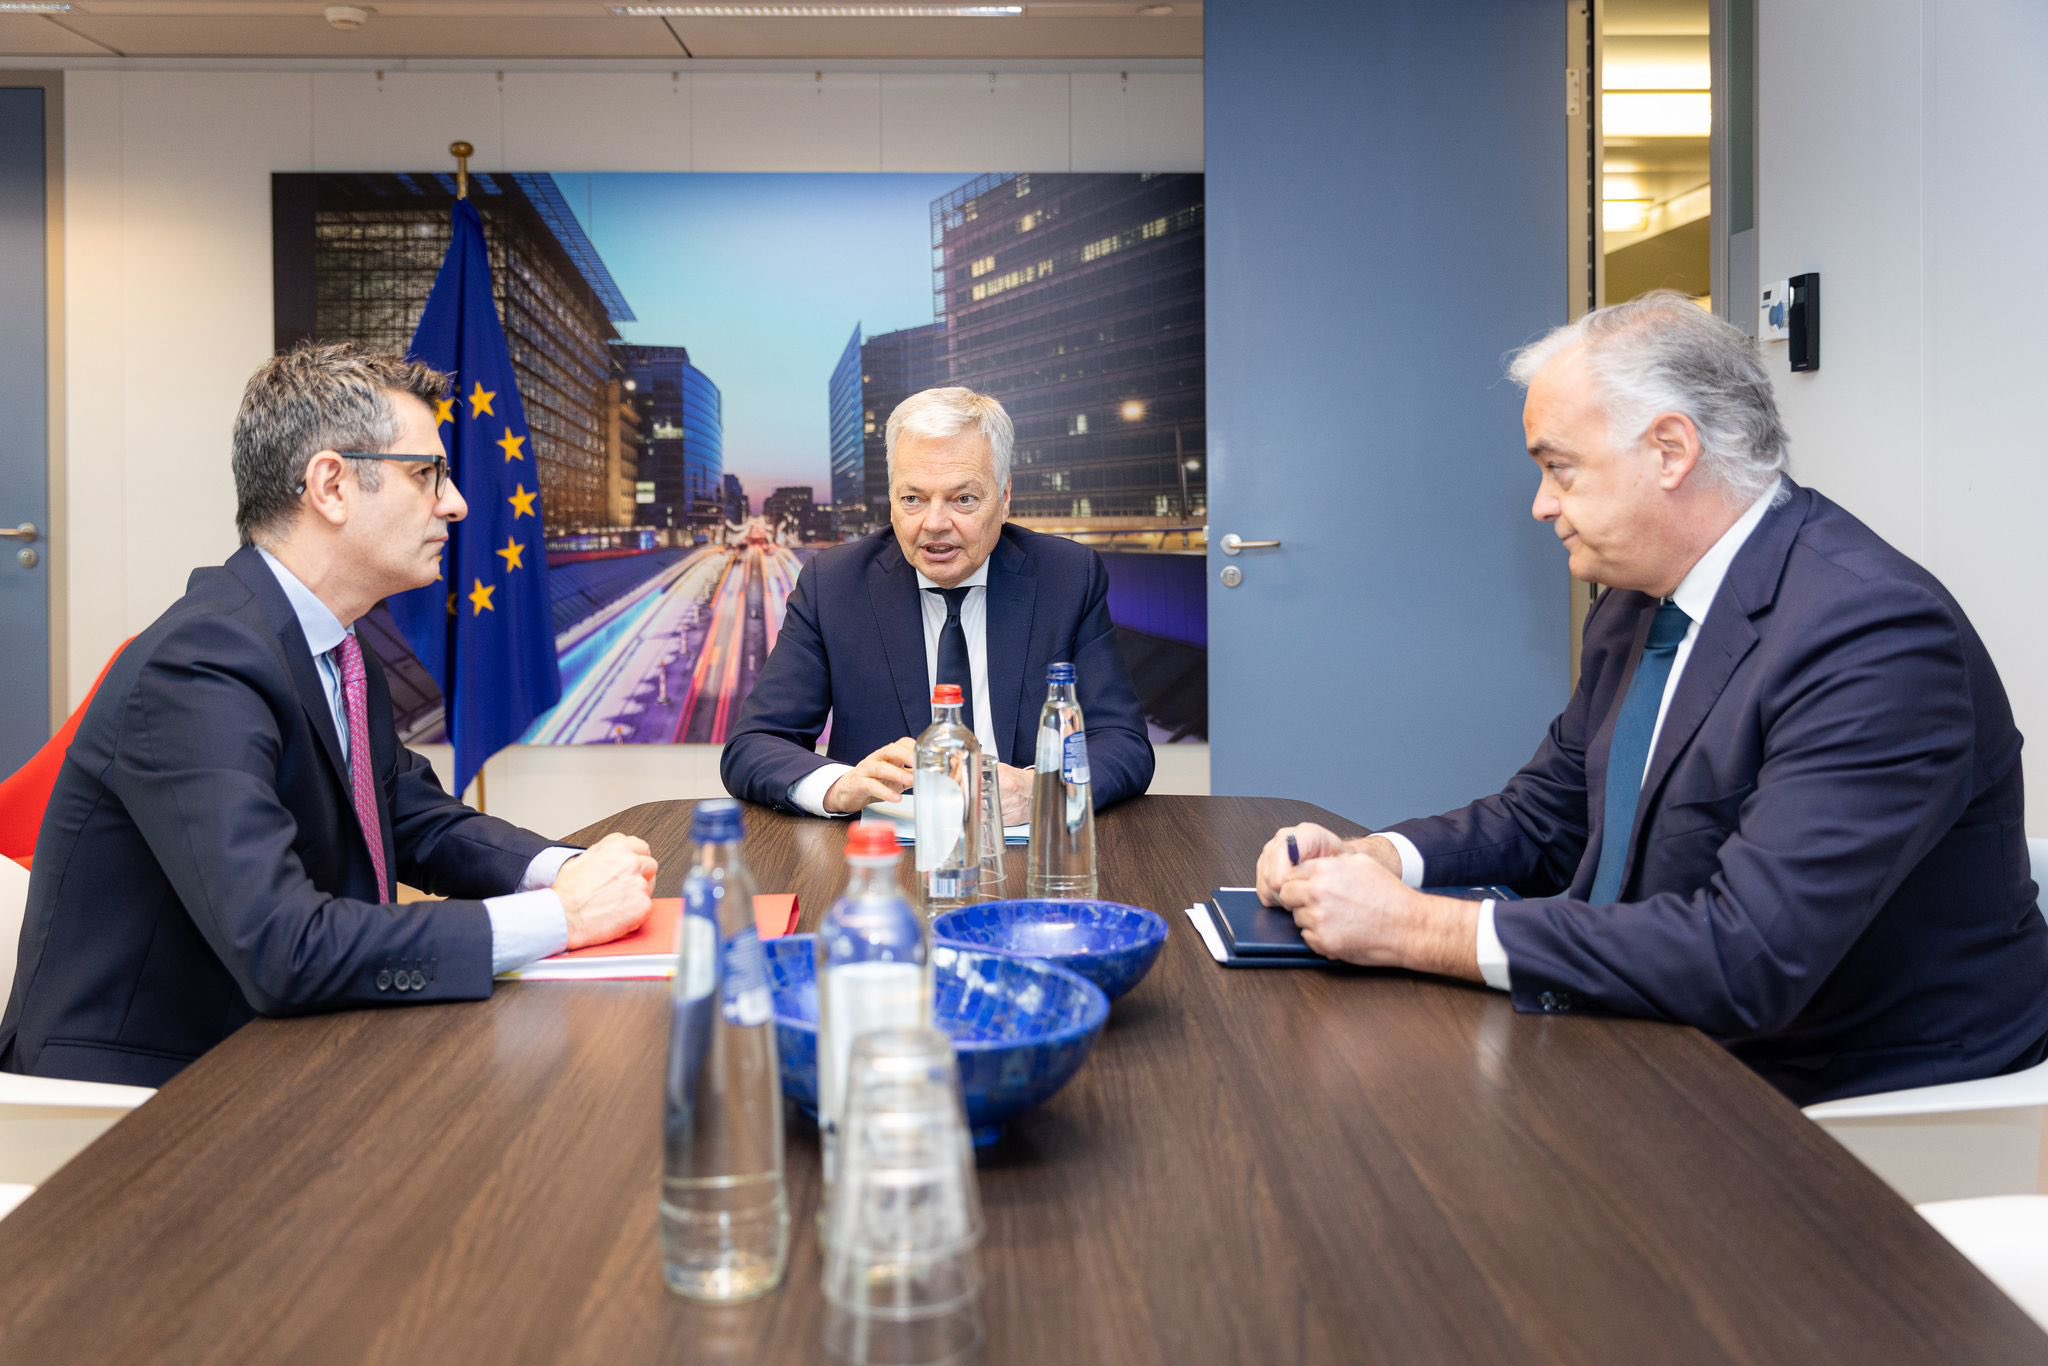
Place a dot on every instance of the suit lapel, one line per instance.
(1012, 600)
(248, 566)
(899, 626)
(1725, 637)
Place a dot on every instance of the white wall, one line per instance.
(1903, 154)
(167, 288)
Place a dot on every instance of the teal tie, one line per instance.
(1630, 752)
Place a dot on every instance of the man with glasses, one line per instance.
(235, 814)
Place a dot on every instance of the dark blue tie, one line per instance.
(1630, 752)
(953, 665)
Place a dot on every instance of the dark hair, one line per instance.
(312, 398)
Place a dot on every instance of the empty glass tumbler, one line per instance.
(992, 845)
(902, 1274)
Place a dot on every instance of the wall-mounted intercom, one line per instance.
(1789, 311)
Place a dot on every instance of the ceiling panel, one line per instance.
(392, 36)
(1031, 36)
(1059, 30)
(34, 35)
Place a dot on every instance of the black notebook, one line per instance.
(1257, 936)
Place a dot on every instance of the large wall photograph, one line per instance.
(707, 363)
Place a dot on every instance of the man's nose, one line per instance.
(938, 517)
(1545, 508)
(452, 507)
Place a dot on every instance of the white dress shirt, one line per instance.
(809, 791)
(526, 924)
(1695, 597)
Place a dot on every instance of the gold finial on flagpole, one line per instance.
(462, 152)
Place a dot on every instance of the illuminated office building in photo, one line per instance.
(356, 259)
(849, 492)
(893, 366)
(682, 430)
(1077, 301)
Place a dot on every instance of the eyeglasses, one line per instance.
(439, 462)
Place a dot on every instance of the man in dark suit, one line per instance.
(949, 595)
(226, 835)
(1784, 803)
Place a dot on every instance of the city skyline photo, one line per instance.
(707, 363)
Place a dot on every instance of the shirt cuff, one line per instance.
(808, 792)
(1493, 959)
(1411, 857)
(545, 868)
(526, 926)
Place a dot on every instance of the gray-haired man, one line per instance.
(950, 594)
(1784, 803)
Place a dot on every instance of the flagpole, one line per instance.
(483, 792)
(462, 152)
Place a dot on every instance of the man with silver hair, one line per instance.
(1784, 803)
(235, 813)
(951, 593)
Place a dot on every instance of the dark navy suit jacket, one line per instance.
(1828, 872)
(201, 862)
(852, 646)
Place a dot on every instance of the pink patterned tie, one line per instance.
(356, 697)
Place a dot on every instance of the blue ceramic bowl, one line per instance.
(1110, 944)
(1021, 1027)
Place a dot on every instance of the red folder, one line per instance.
(774, 915)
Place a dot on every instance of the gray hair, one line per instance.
(316, 398)
(941, 414)
(1663, 353)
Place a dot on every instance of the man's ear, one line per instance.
(327, 481)
(1677, 443)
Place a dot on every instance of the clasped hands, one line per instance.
(886, 775)
(1350, 904)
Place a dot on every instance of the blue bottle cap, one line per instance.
(1059, 673)
(717, 822)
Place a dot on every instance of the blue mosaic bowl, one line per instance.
(1110, 944)
(1021, 1027)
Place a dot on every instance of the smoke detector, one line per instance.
(347, 18)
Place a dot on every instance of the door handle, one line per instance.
(1232, 543)
(25, 532)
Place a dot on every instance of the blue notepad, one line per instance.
(1257, 936)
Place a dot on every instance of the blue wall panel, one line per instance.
(1386, 220)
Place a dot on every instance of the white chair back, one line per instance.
(13, 906)
(2037, 855)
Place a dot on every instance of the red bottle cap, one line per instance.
(947, 695)
(871, 839)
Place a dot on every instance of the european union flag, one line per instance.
(485, 631)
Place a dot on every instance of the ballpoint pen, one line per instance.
(1293, 851)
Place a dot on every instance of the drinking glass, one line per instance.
(991, 886)
(902, 1278)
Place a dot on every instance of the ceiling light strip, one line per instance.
(36, 6)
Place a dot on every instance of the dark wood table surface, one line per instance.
(1253, 1166)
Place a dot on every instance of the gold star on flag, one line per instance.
(480, 401)
(511, 553)
(451, 604)
(480, 599)
(521, 501)
(511, 445)
(444, 410)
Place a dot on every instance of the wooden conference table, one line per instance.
(1253, 1166)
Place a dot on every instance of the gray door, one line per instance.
(24, 433)
(1386, 218)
